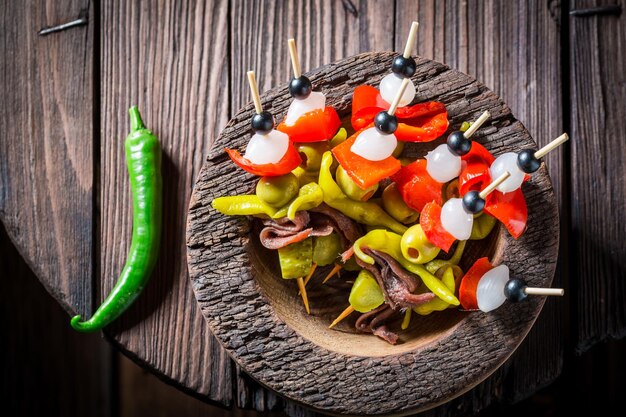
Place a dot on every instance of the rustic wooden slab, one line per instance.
(258, 317)
(46, 145)
(598, 199)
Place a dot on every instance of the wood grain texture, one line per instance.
(46, 145)
(513, 48)
(226, 273)
(598, 94)
(164, 57)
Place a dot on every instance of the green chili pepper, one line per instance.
(309, 196)
(434, 265)
(339, 137)
(143, 158)
(296, 259)
(483, 225)
(361, 211)
(416, 247)
(351, 189)
(326, 249)
(242, 205)
(437, 304)
(465, 126)
(407, 319)
(394, 204)
(365, 294)
(389, 243)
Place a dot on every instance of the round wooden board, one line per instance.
(259, 319)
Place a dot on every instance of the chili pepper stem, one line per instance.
(136, 122)
(345, 313)
(305, 298)
(407, 319)
(333, 271)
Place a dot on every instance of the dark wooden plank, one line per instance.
(47, 368)
(46, 145)
(598, 68)
(513, 47)
(261, 321)
(325, 31)
(171, 59)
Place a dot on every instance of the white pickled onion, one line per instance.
(507, 162)
(456, 220)
(490, 291)
(267, 149)
(373, 145)
(442, 164)
(298, 107)
(389, 87)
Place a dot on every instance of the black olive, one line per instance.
(403, 66)
(473, 203)
(263, 122)
(300, 87)
(527, 162)
(386, 123)
(458, 143)
(514, 290)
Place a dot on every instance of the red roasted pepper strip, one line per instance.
(422, 122)
(315, 126)
(364, 172)
(430, 220)
(288, 163)
(469, 283)
(475, 169)
(416, 186)
(510, 209)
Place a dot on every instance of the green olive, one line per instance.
(415, 247)
(311, 153)
(326, 249)
(277, 191)
(396, 207)
(351, 189)
(451, 190)
(339, 137)
(483, 225)
(398, 151)
(365, 294)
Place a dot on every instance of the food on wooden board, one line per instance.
(308, 118)
(143, 158)
(522, 164)
(350, 205)
(486, 288)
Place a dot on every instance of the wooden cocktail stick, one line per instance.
(305, 298)
(345, 313)
(544, 291)
(411, 40)
(398, 97)
(477, 124)
(310, 274)
(552, 145)
(295, 62)
(494, 184)
(333, 271)
(254, 89)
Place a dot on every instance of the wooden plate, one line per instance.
(260, 320)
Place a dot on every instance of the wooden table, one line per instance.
(64, 195)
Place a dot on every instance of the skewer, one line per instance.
(552, 145)
(305, 298)
(333, 271)
(295, 62)
(310, 274)
(411, 40)
(477, 124)
(254, 89)
(396, 99)
(345, 313)
(544, 291)
(494, 184)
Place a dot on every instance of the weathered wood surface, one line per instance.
(296, 354)
(46, 145)
(598, 171)
(513, 47)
